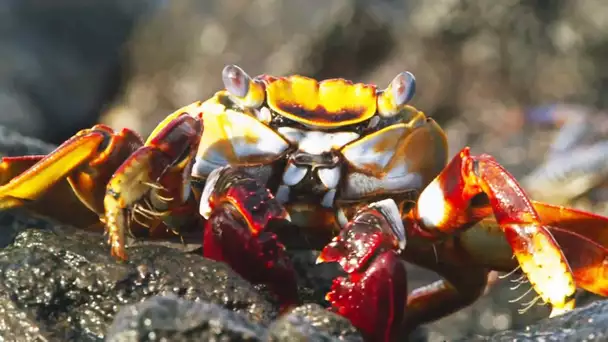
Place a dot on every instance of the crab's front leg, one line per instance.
(238, 209)
(473, 187)
(373, 295)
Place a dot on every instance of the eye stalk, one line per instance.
(398, 93)
(245, 90)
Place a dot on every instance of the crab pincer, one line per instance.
(373, 295)
(238, 209)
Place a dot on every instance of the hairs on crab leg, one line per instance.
(444, 207)
(154, 181)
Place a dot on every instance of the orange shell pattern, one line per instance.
(327, 104)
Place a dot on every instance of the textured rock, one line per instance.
(176, 319)
(589, 323)
(312, 322)
(66, 286)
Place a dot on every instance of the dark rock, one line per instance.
(589, 323)
(312, 322)
(62, 63)
(15, 144)
(63, 283)
(176, 319)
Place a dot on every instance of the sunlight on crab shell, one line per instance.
(350, 140)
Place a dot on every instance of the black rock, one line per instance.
(62, 284)
(311, 322)
(176, 319)
(588, 323)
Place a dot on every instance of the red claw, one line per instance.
(234, 232)
(373, 295)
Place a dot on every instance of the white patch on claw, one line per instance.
(204, 207)
(431, 205)
(389, 209)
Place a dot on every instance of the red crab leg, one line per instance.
(238, 209)
(374, 293)
(447, 205)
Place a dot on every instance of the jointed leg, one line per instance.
(448, 205)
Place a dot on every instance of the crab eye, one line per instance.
(399, 92)
(246, 91)
(235, 80)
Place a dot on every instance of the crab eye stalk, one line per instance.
(398, 93)
(245, 90)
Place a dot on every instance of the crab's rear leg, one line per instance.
(238, 209)
(448, 204)
(76, 171)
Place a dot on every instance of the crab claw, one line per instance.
(373, 295)
(238, 209)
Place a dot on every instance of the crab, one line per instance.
(344, 168)
(575, 171)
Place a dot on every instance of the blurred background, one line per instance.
(500, 76)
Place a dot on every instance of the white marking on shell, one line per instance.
(232, 137)
(328, 199)
(431, 205)
(263, 114)
(203, 168)
(389, 209)
(330, 177)
(316, 142)
(370, 150)
(294, 174)
(359, 185)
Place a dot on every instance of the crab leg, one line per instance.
(448, 203)
(86, 161)
(238, 209)
(154, 182)
(72, 211)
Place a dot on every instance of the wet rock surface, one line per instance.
(66, 286)
(589, 323)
